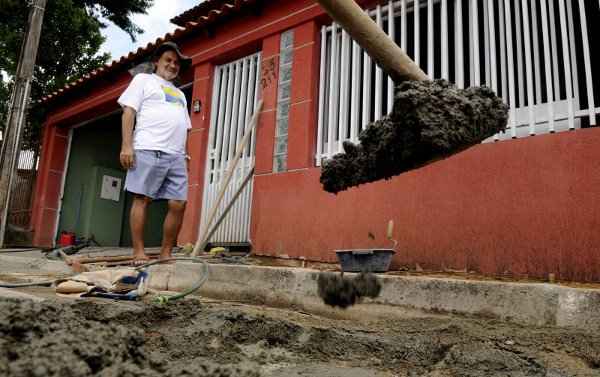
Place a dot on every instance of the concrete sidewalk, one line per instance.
(31, 262)
(525, 303)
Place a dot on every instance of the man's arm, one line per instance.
(127, 156)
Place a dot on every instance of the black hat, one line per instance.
(185, 61)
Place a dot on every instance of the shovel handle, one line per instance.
(391, 58)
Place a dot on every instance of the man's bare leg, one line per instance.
(171, 227)
(137, 220)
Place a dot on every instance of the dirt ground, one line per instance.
(213, 338)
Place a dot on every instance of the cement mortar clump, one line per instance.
(430, 120)
(337, 290)
(367, 285)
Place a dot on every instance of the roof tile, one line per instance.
(205, 13)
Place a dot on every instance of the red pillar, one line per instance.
(265, 134)
(305, 97)
(47, 193)
(197, 146)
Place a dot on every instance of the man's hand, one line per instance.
(127, 158)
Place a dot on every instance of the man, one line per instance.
(155, 152)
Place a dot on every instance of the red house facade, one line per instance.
(518, 204)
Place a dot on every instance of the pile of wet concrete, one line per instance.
(192, 338)
(56, 339)
(430, 120)
(337, 290)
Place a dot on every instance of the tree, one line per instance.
(69, 45)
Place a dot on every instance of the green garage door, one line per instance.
(94, 202)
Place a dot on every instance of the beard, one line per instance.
(166, 74)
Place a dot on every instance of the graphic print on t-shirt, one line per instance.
(173, 96)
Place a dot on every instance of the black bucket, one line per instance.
(365, 260)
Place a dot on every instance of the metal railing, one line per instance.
(535, 54)
(235, 93)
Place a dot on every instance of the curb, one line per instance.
(524, 303)
(537, 304)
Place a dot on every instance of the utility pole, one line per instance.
(13, 131)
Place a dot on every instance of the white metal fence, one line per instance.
(23, 186)
(535, 54)
(234, 98)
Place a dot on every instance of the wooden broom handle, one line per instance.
(391, 58)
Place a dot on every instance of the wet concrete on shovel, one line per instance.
(194, 338)
(430, 120)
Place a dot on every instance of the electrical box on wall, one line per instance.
(102, 215)
(111, 188)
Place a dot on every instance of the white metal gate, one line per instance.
(535, 54)
(235, 94)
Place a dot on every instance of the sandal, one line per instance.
(137, 262)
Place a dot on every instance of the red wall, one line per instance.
(197, 146)
(232, 40)
(48, 184)
(528, 207)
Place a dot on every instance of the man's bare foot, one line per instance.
(166, 255)
(139, 259)
(76, 265)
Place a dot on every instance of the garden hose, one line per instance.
(165, 299)
(161, 299)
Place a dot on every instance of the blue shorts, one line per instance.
(158, 175)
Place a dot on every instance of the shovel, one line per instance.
(430, 120)
(391, 58)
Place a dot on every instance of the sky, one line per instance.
(155, 24)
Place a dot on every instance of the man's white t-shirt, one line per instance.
(162, 118)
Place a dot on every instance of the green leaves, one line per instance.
(118, 12)
(69, 44)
